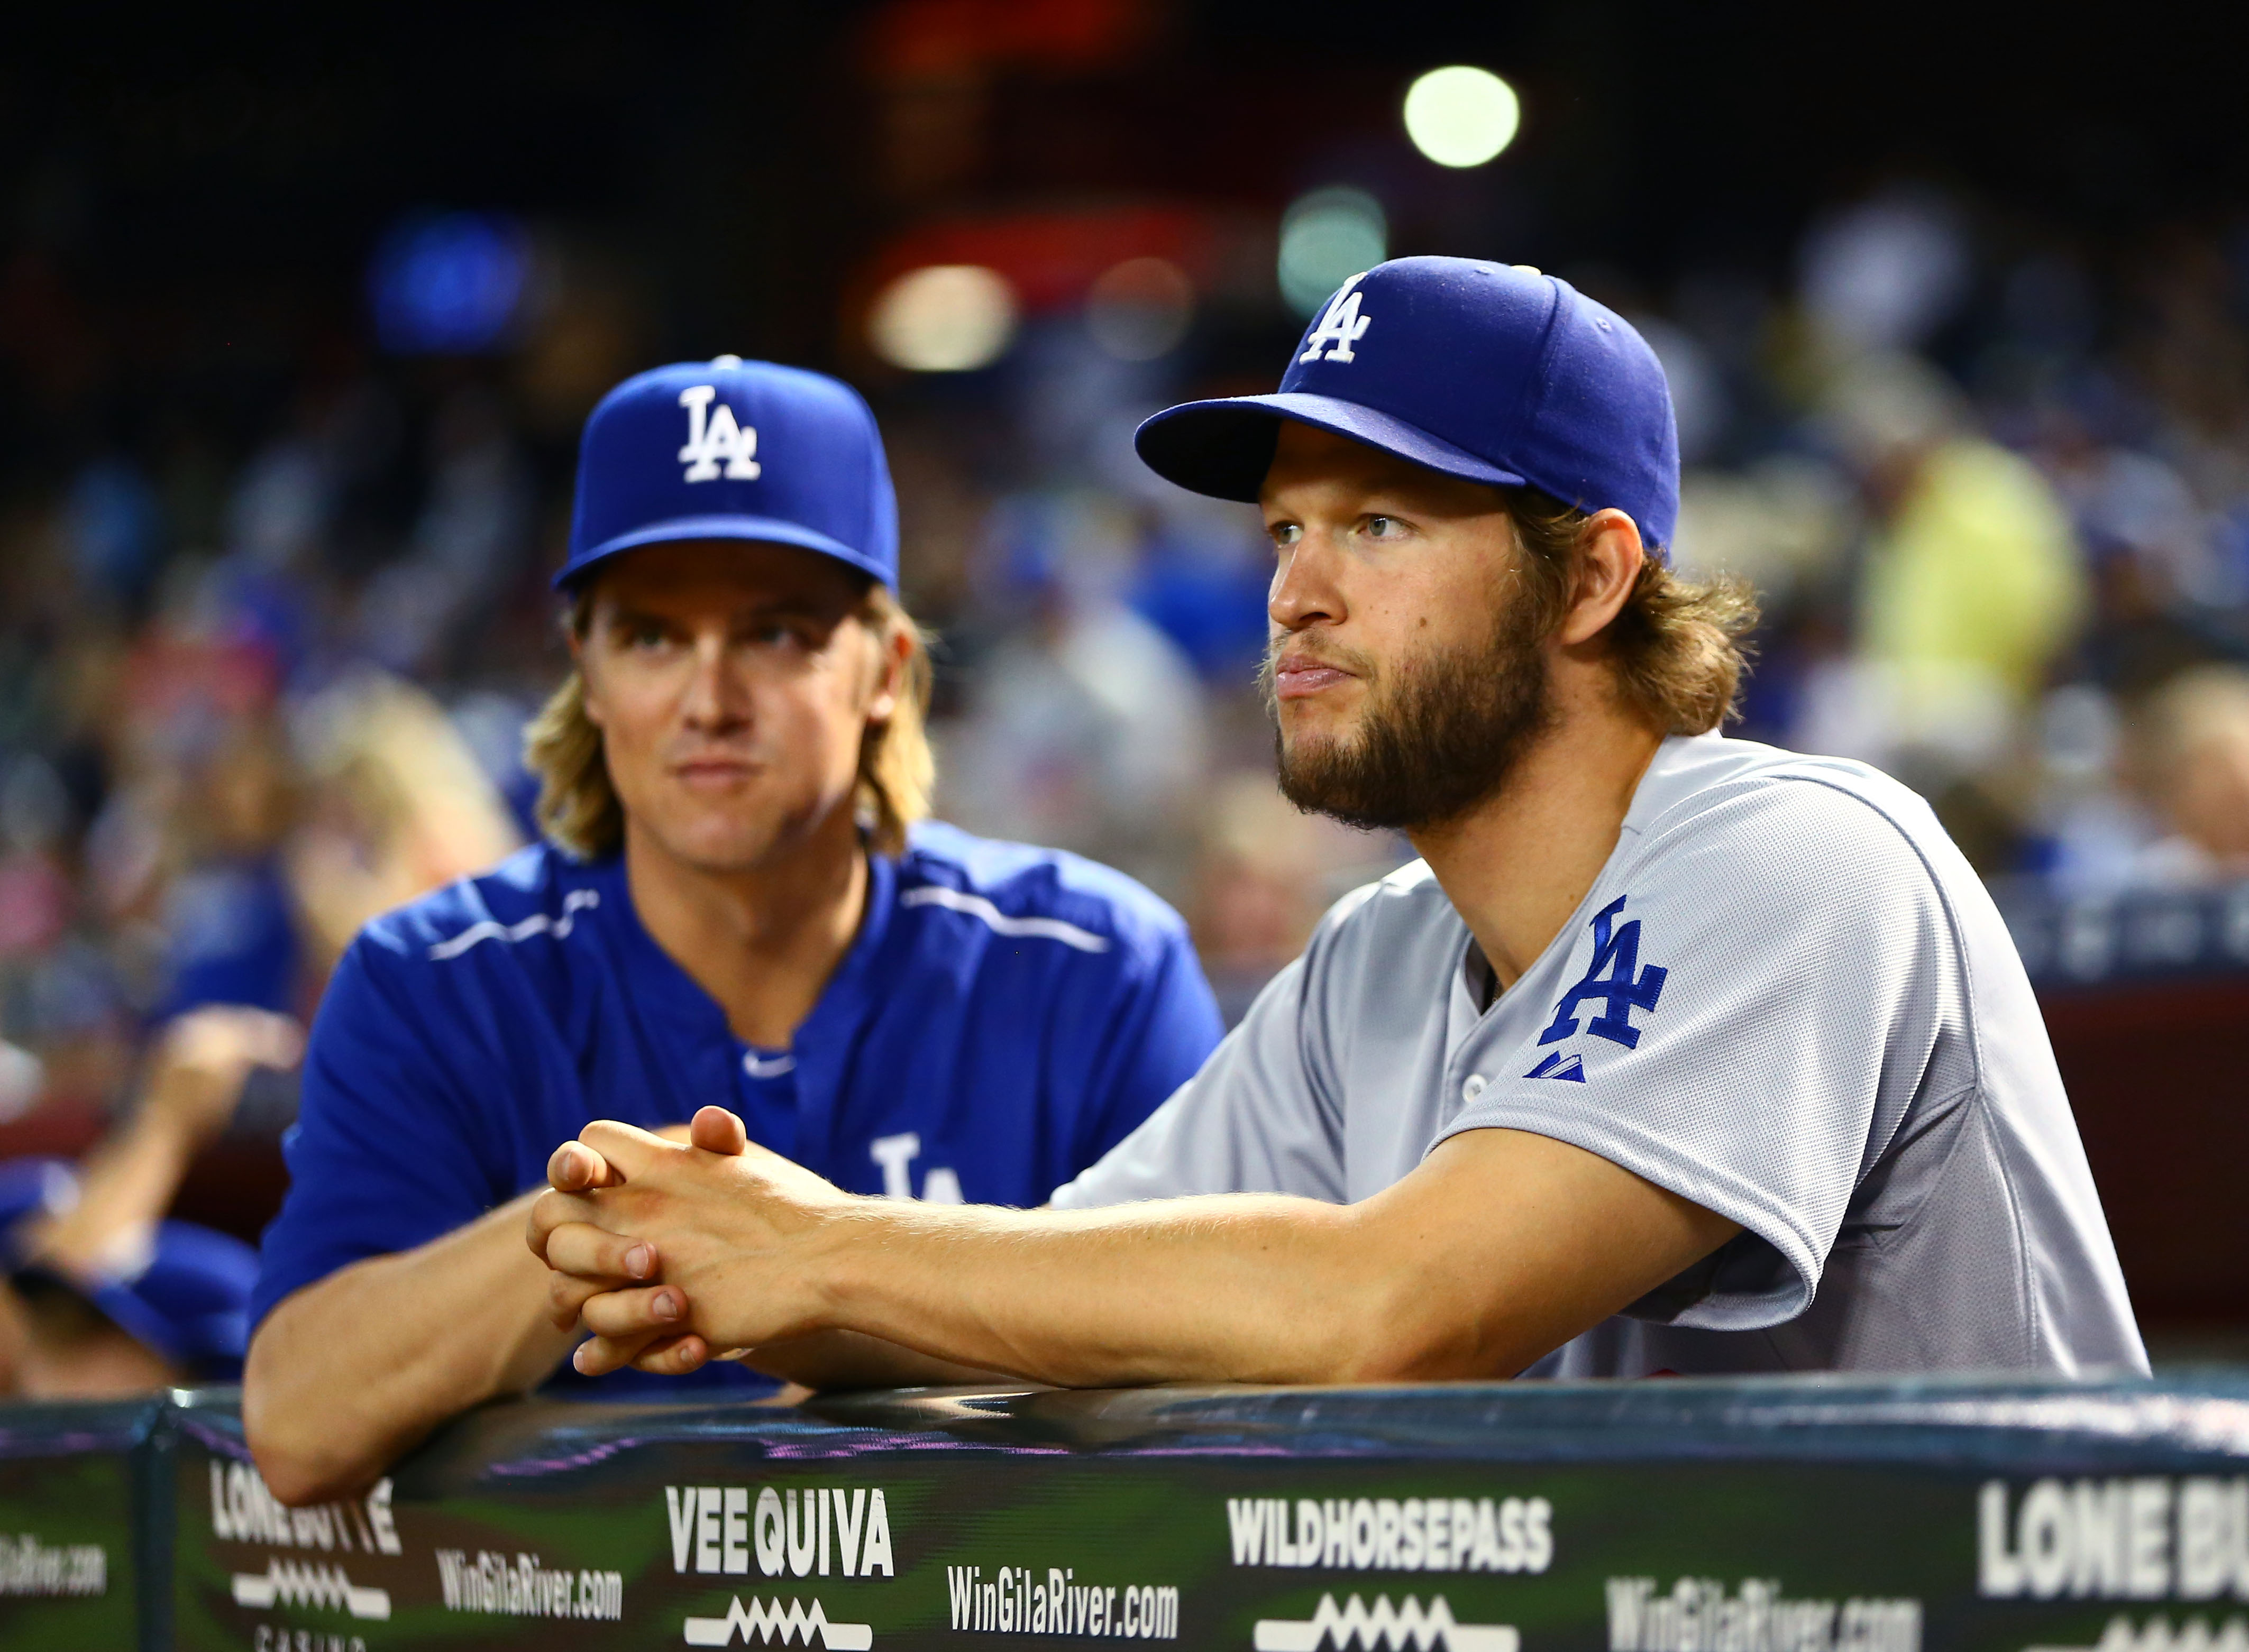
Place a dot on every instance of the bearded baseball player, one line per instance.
(1671, 1053)
(738, 900)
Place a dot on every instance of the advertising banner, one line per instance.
(69, 1562)
(1794, 1516)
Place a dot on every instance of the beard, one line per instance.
(1439, 735)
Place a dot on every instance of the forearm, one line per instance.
(350, 1371)
(196, 1069)
(1502, 1245)
(839, 1360)
(1243, 1288)
(125, 1187)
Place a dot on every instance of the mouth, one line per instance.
(1296, 677)
(713, 773)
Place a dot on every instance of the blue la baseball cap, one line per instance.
(188, 1297)
(1492, 372)
(734, 449)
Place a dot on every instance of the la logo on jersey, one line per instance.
(1340, 328)
(713, 438)
(1616, 979)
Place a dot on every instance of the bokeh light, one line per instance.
(1141, 309)
(947, 318)
(1328, 236)
(449, 284)
(1462, 116)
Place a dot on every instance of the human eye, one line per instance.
(780, 634)
(1378, 526)
(1284, 534)
(642, 635)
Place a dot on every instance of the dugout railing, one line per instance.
(1781, 1515)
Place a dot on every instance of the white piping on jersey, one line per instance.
(759, 1068)
(537, 923)
(935, 894)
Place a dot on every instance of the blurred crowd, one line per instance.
(1995, 492)
(264, 675)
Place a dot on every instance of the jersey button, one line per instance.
(1472, 1088)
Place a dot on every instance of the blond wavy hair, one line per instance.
(1677, 643)
(579, 809)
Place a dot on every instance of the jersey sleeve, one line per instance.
(1746, 1024)
(383, 1156)
(1254, 1120)
(1162, 1025)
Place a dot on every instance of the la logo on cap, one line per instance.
(790, 457)
(713, 437)
(1340, 328)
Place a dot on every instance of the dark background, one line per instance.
(211, 186)
(190, 200)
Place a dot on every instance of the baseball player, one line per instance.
(1672, 1053)
(739, 901)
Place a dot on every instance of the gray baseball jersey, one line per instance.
(1787, 998)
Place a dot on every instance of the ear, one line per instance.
(893, 651)
(1610, 555)
(589, 690)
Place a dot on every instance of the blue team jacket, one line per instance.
(1006, 1015)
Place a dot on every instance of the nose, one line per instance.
(1304, 592)
(716, 699)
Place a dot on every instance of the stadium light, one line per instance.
(1462, 116)
(943, 318)
(1328, 236)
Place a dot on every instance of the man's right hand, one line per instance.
(821, 1360)
(618, 1263)
(719, 1222)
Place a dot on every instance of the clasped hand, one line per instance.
(673, 1254)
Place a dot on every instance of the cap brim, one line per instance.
(1224, 448)
(762, 530)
